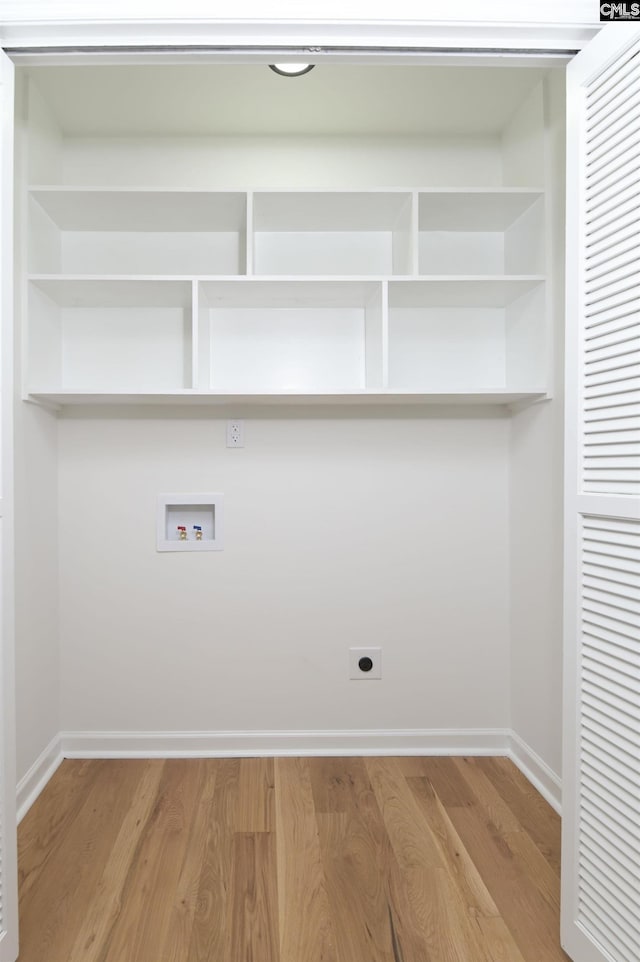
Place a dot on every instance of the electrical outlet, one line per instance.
(235, 434)
(365, 664)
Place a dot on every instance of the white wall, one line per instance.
(536, 495)
(339, 532)
(36, 494)
(284, 162)
(36, 574)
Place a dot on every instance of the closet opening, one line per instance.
(364, 265)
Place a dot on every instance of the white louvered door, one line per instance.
(601, 766)
(8, 872)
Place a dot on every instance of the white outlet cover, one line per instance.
(235, 434)
(356, 673)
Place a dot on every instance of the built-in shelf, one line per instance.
(328, 296)
(220, 398)
(114, 291)
(468, 291)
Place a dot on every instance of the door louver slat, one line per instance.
(605, 715)
(606, 885)
(603, 284)
(621, 254)
(602, 738)
(606, 845)
(598, 706)
(623, 212)
(617, 132)
(606, 248)
(612, 702)
(594, 608)
(612, 359)
(601, 85)
(623, 948)
(606, 842)
(618, 168)
(622, 607)
(595, 768)
(625, 247)
(610, 874)
(600, 308)
(609, 112)
(619, 328)
(605, 901)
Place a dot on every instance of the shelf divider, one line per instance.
(249, 247)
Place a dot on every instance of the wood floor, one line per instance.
(295, 860)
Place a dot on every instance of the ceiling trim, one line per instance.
(482, 11)
(30, 34)
(401, 56)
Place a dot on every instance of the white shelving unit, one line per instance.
(336, 296)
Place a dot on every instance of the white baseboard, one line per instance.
(541, 776)
(439, 741)
(31, 784)
(253, 743)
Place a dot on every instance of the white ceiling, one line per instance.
(239, 99)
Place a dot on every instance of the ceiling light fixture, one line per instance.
(291, 69)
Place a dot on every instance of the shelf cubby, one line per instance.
(99, 334)
(486, 232)
(467, 335)
(290, 336)
(333, 233)
(111, 231)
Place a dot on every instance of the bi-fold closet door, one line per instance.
(601, 767)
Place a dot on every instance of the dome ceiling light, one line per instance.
(291, 69)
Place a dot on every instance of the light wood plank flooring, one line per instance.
(292, 859)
